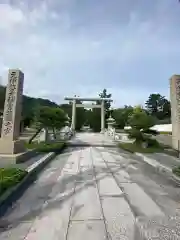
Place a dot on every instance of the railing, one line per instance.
(45, 135)
(118, 137)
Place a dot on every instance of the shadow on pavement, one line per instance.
(69, 184)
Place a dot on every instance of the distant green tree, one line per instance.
(158, 106)
(95, 117)
(67, 108)
(2, 96)
(29, 105)
(107, 104)
(50, 117)
(80, 116)
(121, 116)
(140, 122)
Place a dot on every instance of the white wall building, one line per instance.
(159, 128)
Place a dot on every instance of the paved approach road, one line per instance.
(93, 193)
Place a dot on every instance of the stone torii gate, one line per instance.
(101, 105)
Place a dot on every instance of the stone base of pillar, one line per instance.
(13, 159)
(102, 131)
(11, 147)
(175, 144)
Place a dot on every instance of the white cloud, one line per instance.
(10, 17)
(62, 54)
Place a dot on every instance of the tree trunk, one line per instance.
(54, 133)
(38, 131)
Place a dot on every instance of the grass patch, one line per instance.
(46, 147)
(132, 147)
(9, 177)
(170, 151)
(165, 133)
(176, 171)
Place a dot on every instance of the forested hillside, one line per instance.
(29, 103)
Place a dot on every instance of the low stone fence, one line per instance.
(45, 135)
(117, 136)
(123, 137)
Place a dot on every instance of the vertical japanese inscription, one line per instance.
(178, 99)
(10, 101)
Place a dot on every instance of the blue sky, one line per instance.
(68, 47)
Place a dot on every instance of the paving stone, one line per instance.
(72, 165)
(87, 175)
(114, 168)
(98, 170)
(122, 176)
(18, 231)
(52, 224)
(108, 158)
(47, 203)
(86, 168)
(100, 165)
(86, 203)
(108, 186)
(160, 228)
(102, 175)
(89, 230)
(31, 203)
(140, 201)
(119, 218)
(86, 160)
(63, 188)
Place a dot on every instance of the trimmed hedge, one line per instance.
(46, 147)
(9, 177)
(132, 147)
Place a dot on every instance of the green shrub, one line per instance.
(10, 177)
(139, 120)
(152, 143)
(176, 171)
(46, 147)
(136, 134)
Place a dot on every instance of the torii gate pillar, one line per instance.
(73, 123)
(102, 117)
(101, 105)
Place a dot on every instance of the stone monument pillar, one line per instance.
(9, 143)
(73, 124)
(102, 117)
(175, 109)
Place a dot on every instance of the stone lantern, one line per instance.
(67, 122)
(111, 130)
(111, 122)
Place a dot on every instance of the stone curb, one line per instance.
(91, 145)
(14, 193)
(159, 167)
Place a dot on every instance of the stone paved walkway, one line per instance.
(91, 193)
(92, 139)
